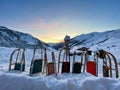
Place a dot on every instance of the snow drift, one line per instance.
(64, 81)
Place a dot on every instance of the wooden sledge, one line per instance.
(18, 64)
(50, 66)
(36, 64)
(109, 64)
(91, 66)
(65, 61)
(77, 66)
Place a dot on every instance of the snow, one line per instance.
(13, 80)
(82, 81)
(29, 39)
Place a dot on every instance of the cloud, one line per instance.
(54, 30)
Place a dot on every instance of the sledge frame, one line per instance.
(107, 62)
(93, 62)
(66, 58)
(20, 63)
(79, 64)
(40, 60)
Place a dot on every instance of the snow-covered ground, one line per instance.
(22, 81)
(82, 81)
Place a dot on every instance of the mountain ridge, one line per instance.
(98, 39)
(12, 38)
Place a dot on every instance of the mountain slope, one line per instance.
(107, 39)
(10, 38)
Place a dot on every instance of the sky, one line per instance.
(51, 20)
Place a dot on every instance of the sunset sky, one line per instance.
(51, 20)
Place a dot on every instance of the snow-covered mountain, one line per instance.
(10, 38)
(108, 39)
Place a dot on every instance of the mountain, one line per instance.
(57, 46)
(108, 39)
(11, 38)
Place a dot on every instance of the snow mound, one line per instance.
(82, 81)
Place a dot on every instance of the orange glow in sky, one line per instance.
(48, 40)
(51, 38)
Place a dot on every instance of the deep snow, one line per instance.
(83, 81)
